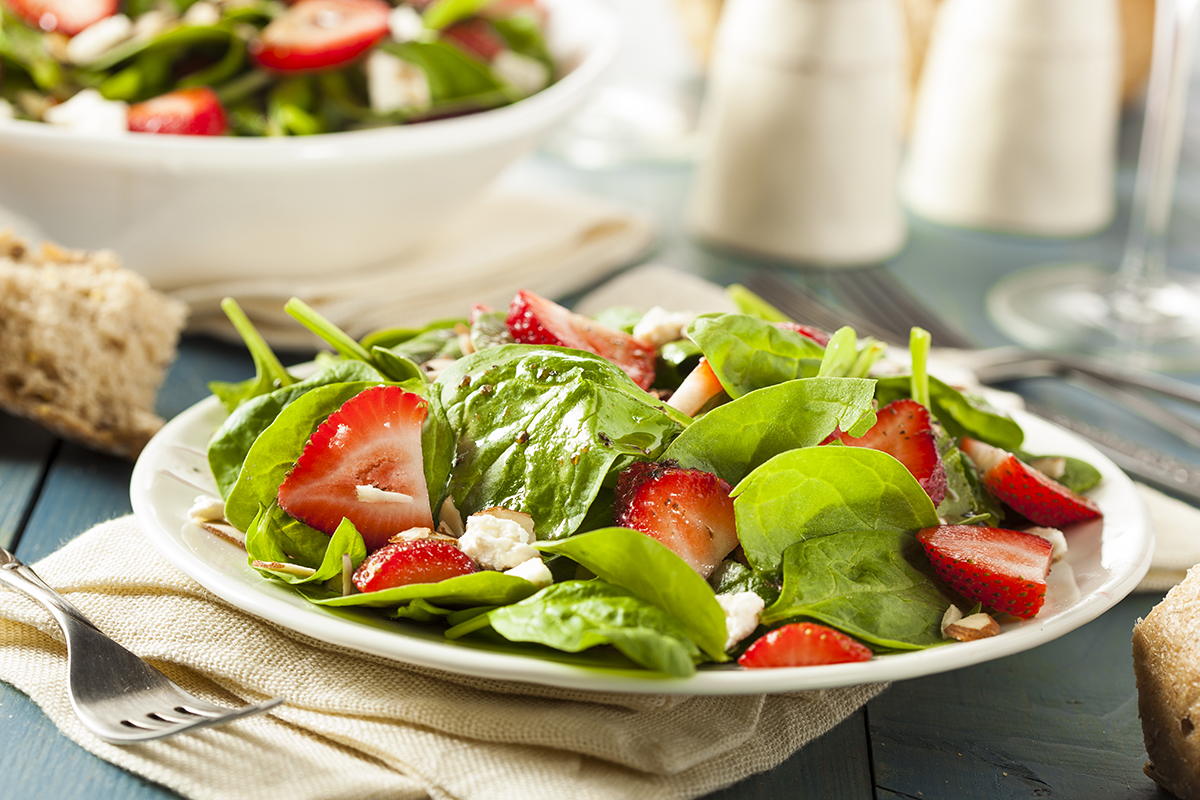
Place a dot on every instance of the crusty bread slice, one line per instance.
(1166, 666)
(84, 344)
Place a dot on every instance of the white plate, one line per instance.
(1104, 563)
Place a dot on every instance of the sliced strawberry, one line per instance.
(904, 430)
(1001, 569)
(364, 464)
(476, 37)
(803, 644)
(190, 112)
(416, 561)
(1032, 494)
(688, 511)
(807, 331)
(536, 320)
(700, 386)
(320, 34)
(68, 17)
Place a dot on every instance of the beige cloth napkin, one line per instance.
(360, 727)
(552, 244)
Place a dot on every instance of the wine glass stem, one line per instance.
(1143, 267)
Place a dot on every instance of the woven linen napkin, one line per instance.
(552, 244)
(359, 727)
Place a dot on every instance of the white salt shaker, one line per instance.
(800, 134)
(1015, 120)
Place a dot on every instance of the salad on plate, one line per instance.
(667, 491)
(265, 67)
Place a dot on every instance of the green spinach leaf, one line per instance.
(748, 353)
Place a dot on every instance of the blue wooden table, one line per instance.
(1059, 721)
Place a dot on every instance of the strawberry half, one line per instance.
(476, 37)
(807, 331)
(903, 429)
(803, 644)
(189, 112)
(417, 561)
(364, 464)
(1000, 569)
(320, 34)
(687, 510)
(68, 17)
(1032, 494)
(536, 320)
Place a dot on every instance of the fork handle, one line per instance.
(19, 576)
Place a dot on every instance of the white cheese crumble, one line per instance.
(534, 570)
(202, 14)
(98, 38)
(373, 494)
(394, 84)
(526, 75)
(152, 23)
(6, 110)
(207, 509)
(496, 543)
(1055, 537)
(742, 610)
(405, 24)
(660, 326)
(89, 112)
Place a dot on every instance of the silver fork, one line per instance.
(118, 696)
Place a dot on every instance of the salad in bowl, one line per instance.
(725, 491)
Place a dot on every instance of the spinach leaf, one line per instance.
(577, 615)
(956, 412)
(965, 498)
(649, 570)
(390, 337)
(454, 77)
(523, 35)
(269, 374)
(817, 491)
(274, 535)
(483, 588)
(872, 584)
(733, 439)
(232, 441)
(1078, 475)
(747, 353)
(750, 303)
(490, 330)
(443, 13)
(732, 576)
(541, 429)
(345, 540)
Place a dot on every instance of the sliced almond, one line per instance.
(225, 531)
(450, 520)
(519, 517)
(1050, 466)
(413, 534)
(289, 569)
(952, 615)
(976, 626)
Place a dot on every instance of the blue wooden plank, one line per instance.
(24, 451)
(1057, 721)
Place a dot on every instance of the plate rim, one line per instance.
(275, 604)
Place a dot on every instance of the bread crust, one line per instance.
(1166, 666)
(84, 344)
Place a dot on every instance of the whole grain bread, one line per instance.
(1166, 666)
(84, 344)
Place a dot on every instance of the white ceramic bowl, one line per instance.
(188, 210)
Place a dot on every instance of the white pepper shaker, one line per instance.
(1015, 120)
(800, 134)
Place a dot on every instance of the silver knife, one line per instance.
(1149, 466)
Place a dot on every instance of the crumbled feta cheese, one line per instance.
(742, 610)
(373, 494)
(202, 14)
(6, 109)
(496, 543)
(88, 111)
(98, 38)
(526, 75)
(660, 326)
(534, 570)
(152, 23)
(1055, 537)
(207, 509)
(405, 24)
(394, 84)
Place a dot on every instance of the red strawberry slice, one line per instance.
(700, 386)
(688, 511)
(1032, 494)
(803, 644)
(63, 16)
(1000, 569)
(364, 464)
(190, 112)
(904, 430)
(320, 34)
(417, 561)
(536, 320)
(807, 331)
(476, 37)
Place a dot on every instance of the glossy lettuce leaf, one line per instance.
(748, 353)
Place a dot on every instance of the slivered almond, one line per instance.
(976, 626)
(289, 569)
